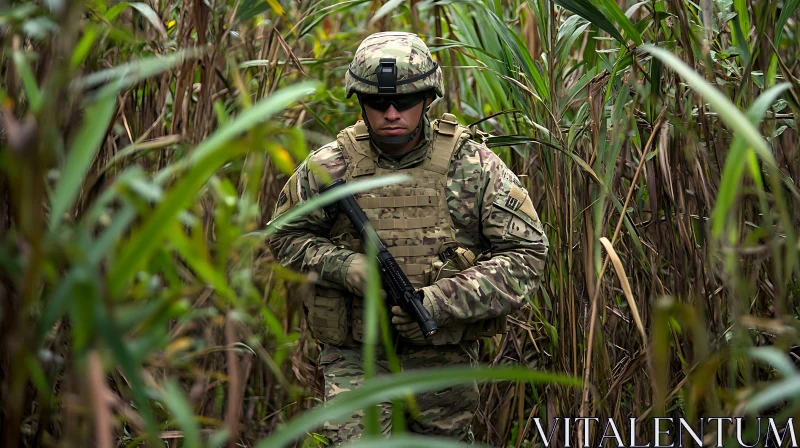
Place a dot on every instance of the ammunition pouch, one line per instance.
(327, 314)
(452, 260)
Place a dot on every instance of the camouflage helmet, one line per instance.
(393, 63)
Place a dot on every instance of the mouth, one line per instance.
(393, 130)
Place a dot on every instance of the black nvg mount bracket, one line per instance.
(387, 76)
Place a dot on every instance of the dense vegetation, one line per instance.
(142, 147)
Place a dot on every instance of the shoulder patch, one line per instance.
(288, 197)
(519, 200)
(515, 197)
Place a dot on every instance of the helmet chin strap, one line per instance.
(394, 140)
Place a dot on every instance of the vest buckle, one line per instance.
(447, 125)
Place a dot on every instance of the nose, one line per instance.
(391, 114)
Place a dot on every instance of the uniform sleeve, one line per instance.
(303, 245)
(498, 286)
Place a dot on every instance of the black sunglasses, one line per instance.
(400, 102)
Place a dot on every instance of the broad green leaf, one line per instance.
(81, 153)
(252, 8)
(588, 11)
(389, 387)
(18, 13)
(777, 392)
(145, 10)
(176, 402)
(777, 358)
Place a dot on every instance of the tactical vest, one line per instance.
(413, 220)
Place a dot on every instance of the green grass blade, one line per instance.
(371, 326)
(388, 7)
(729, 114)
(125, 75)
(248, 118)
(389, 387)
(615, 14)
(28, 80)
(786, 12)
(330, 197)
(329, 10)
(743, 17)
(736, 159)
(198, 260)
(80, 156)
(206, 159)
(176, 402)
(111, 336)
(149, 236)
(83, 47)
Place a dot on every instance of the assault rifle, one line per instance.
(399, 289)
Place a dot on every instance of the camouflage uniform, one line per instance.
(488, 211)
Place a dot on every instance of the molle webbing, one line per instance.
(363, 164)
(445, 139)
(398, 201)
(403, 224)
(412, 218)
(413, 270)
(413, 251)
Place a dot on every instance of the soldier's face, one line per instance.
(392, 121)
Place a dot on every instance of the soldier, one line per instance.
(463, 200)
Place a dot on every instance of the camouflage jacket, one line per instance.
(483, 194)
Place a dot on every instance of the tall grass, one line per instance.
(143, 146)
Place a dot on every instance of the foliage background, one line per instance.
(143, 146)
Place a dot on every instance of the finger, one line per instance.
(413, 335)
(402, 319)
(400, 312)
(407, 327)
